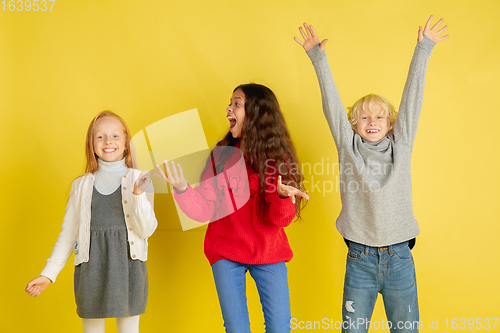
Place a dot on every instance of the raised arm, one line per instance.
(332, 105)
(290, 191)
(411, 103)
(144, 222)
(279, 199)
(431, 33)
(198, 204)
(310, 38)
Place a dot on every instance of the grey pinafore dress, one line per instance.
(110, 284)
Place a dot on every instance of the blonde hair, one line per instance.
(366, 103)
(92, 159)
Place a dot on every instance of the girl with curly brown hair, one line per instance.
(250, 190)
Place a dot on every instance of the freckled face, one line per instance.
(373, 126)
(236, 113)
(109, 139)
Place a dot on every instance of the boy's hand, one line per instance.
(310, 38)
(431, 33)
(290, 191)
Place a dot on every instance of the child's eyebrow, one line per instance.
(104, 133)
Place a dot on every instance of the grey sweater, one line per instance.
(375, 181)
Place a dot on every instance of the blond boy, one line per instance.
(377, 220)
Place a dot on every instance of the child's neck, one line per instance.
(111, 166)
(109, 175)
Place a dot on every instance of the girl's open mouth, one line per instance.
(232, 121)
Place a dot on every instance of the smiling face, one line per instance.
(236, 113)
(109, 139)
(373, 126)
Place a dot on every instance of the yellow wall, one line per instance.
(148, 60)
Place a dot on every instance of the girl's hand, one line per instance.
(37, 285)
(310, 38)
(176, 180)
(431, 33)
(290, 191)
(142, 182)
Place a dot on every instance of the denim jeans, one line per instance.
(389, 271)
(272, 284)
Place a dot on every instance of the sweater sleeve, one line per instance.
(333, 109)
(144, 219)
(411, 103)
(198, 204)
(280, 212)
(217, 195)
(66, 240)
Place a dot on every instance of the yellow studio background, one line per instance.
(147, 60)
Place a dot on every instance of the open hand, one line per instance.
(431, 32)
(310, 38)
(142, 182)
(175, 179)
(290, 191)
(36, 286)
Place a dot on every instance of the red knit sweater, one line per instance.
(236, 232)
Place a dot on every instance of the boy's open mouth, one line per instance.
(372, 131)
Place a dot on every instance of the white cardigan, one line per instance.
(75, 230)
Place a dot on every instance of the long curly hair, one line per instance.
(265, 143)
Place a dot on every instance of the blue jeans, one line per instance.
(389, 271)
(272, 284)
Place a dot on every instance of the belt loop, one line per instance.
(391, 252)
(367, 250)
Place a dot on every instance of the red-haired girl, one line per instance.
(108, 220)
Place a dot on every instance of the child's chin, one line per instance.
(373, 138)
(235, 135)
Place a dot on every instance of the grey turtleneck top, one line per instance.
(375, 182)
(109, 175)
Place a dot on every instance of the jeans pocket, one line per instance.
(403, 254)
(355, 254)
